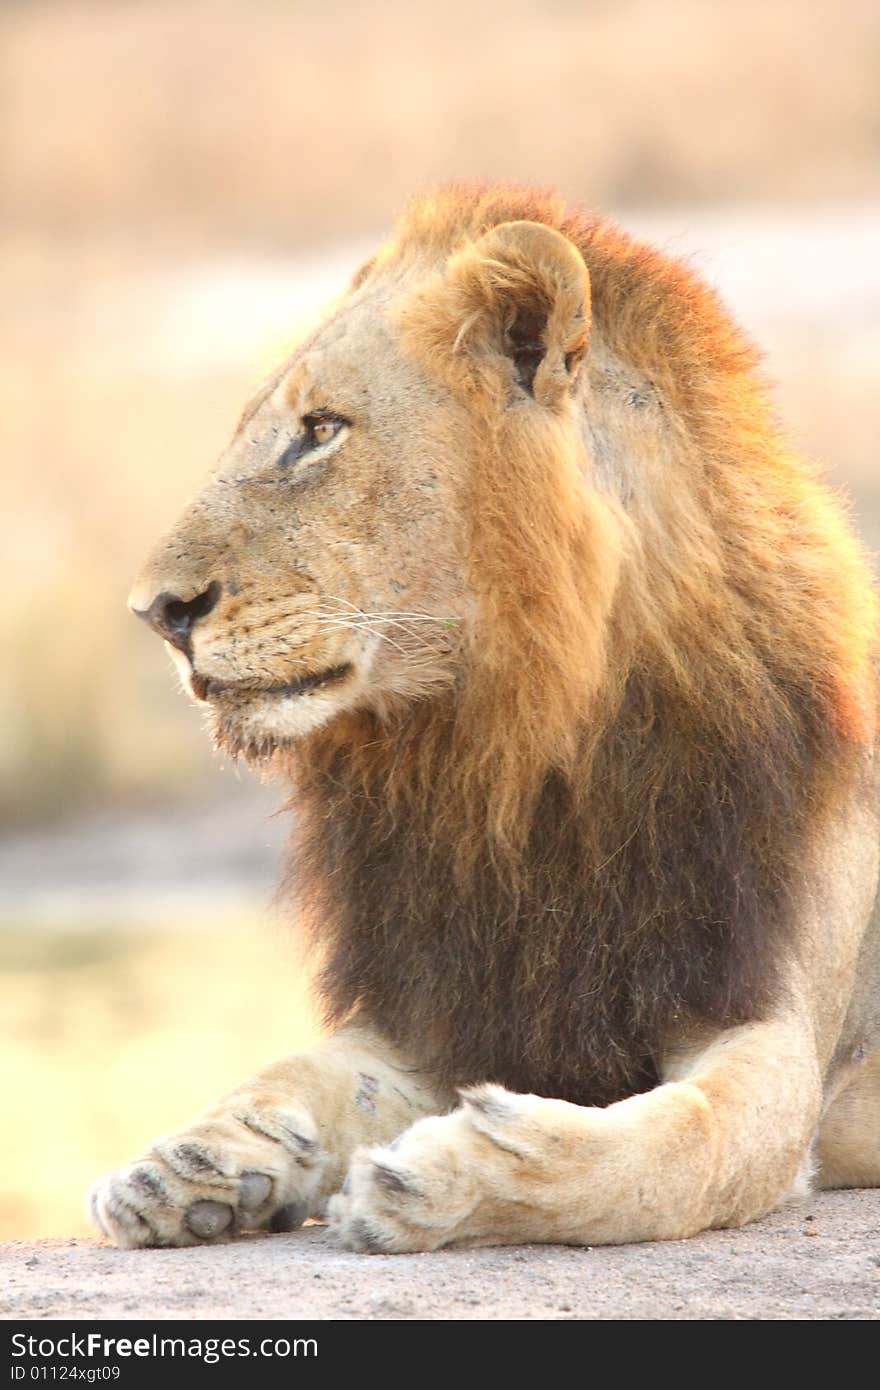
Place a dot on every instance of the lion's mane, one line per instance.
(598, 839)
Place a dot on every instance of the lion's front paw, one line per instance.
(449, 1180)
(252, 1166)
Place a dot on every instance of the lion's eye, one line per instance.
(316, 430)
(320, 429)
(324, 430)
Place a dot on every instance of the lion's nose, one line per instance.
(174, 618)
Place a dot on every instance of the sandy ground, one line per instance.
(820, 1260)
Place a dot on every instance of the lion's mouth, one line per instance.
(209, 690)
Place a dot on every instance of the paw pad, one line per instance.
(209, 1219)
(253, 1190)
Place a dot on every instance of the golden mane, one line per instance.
(670, 684)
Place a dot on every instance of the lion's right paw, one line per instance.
(253, 1167)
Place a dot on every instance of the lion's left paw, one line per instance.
(444, 1181)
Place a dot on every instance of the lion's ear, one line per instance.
(523, 294)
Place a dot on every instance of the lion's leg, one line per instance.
(718, 1144)
(270, 1153)
(848, 1146)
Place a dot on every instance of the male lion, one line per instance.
(573, 667)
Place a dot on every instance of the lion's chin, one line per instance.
(255, 724)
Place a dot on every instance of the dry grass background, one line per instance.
(165, 165)
(282, 121)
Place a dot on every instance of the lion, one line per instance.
(572, 667)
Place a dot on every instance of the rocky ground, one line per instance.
(817, 1261)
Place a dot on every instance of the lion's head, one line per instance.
(415, 469)
(568, 653)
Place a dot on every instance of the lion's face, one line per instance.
(321, 568)
(327, 566)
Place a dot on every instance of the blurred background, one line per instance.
(182, 184)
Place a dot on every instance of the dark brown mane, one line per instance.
(665, 895)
